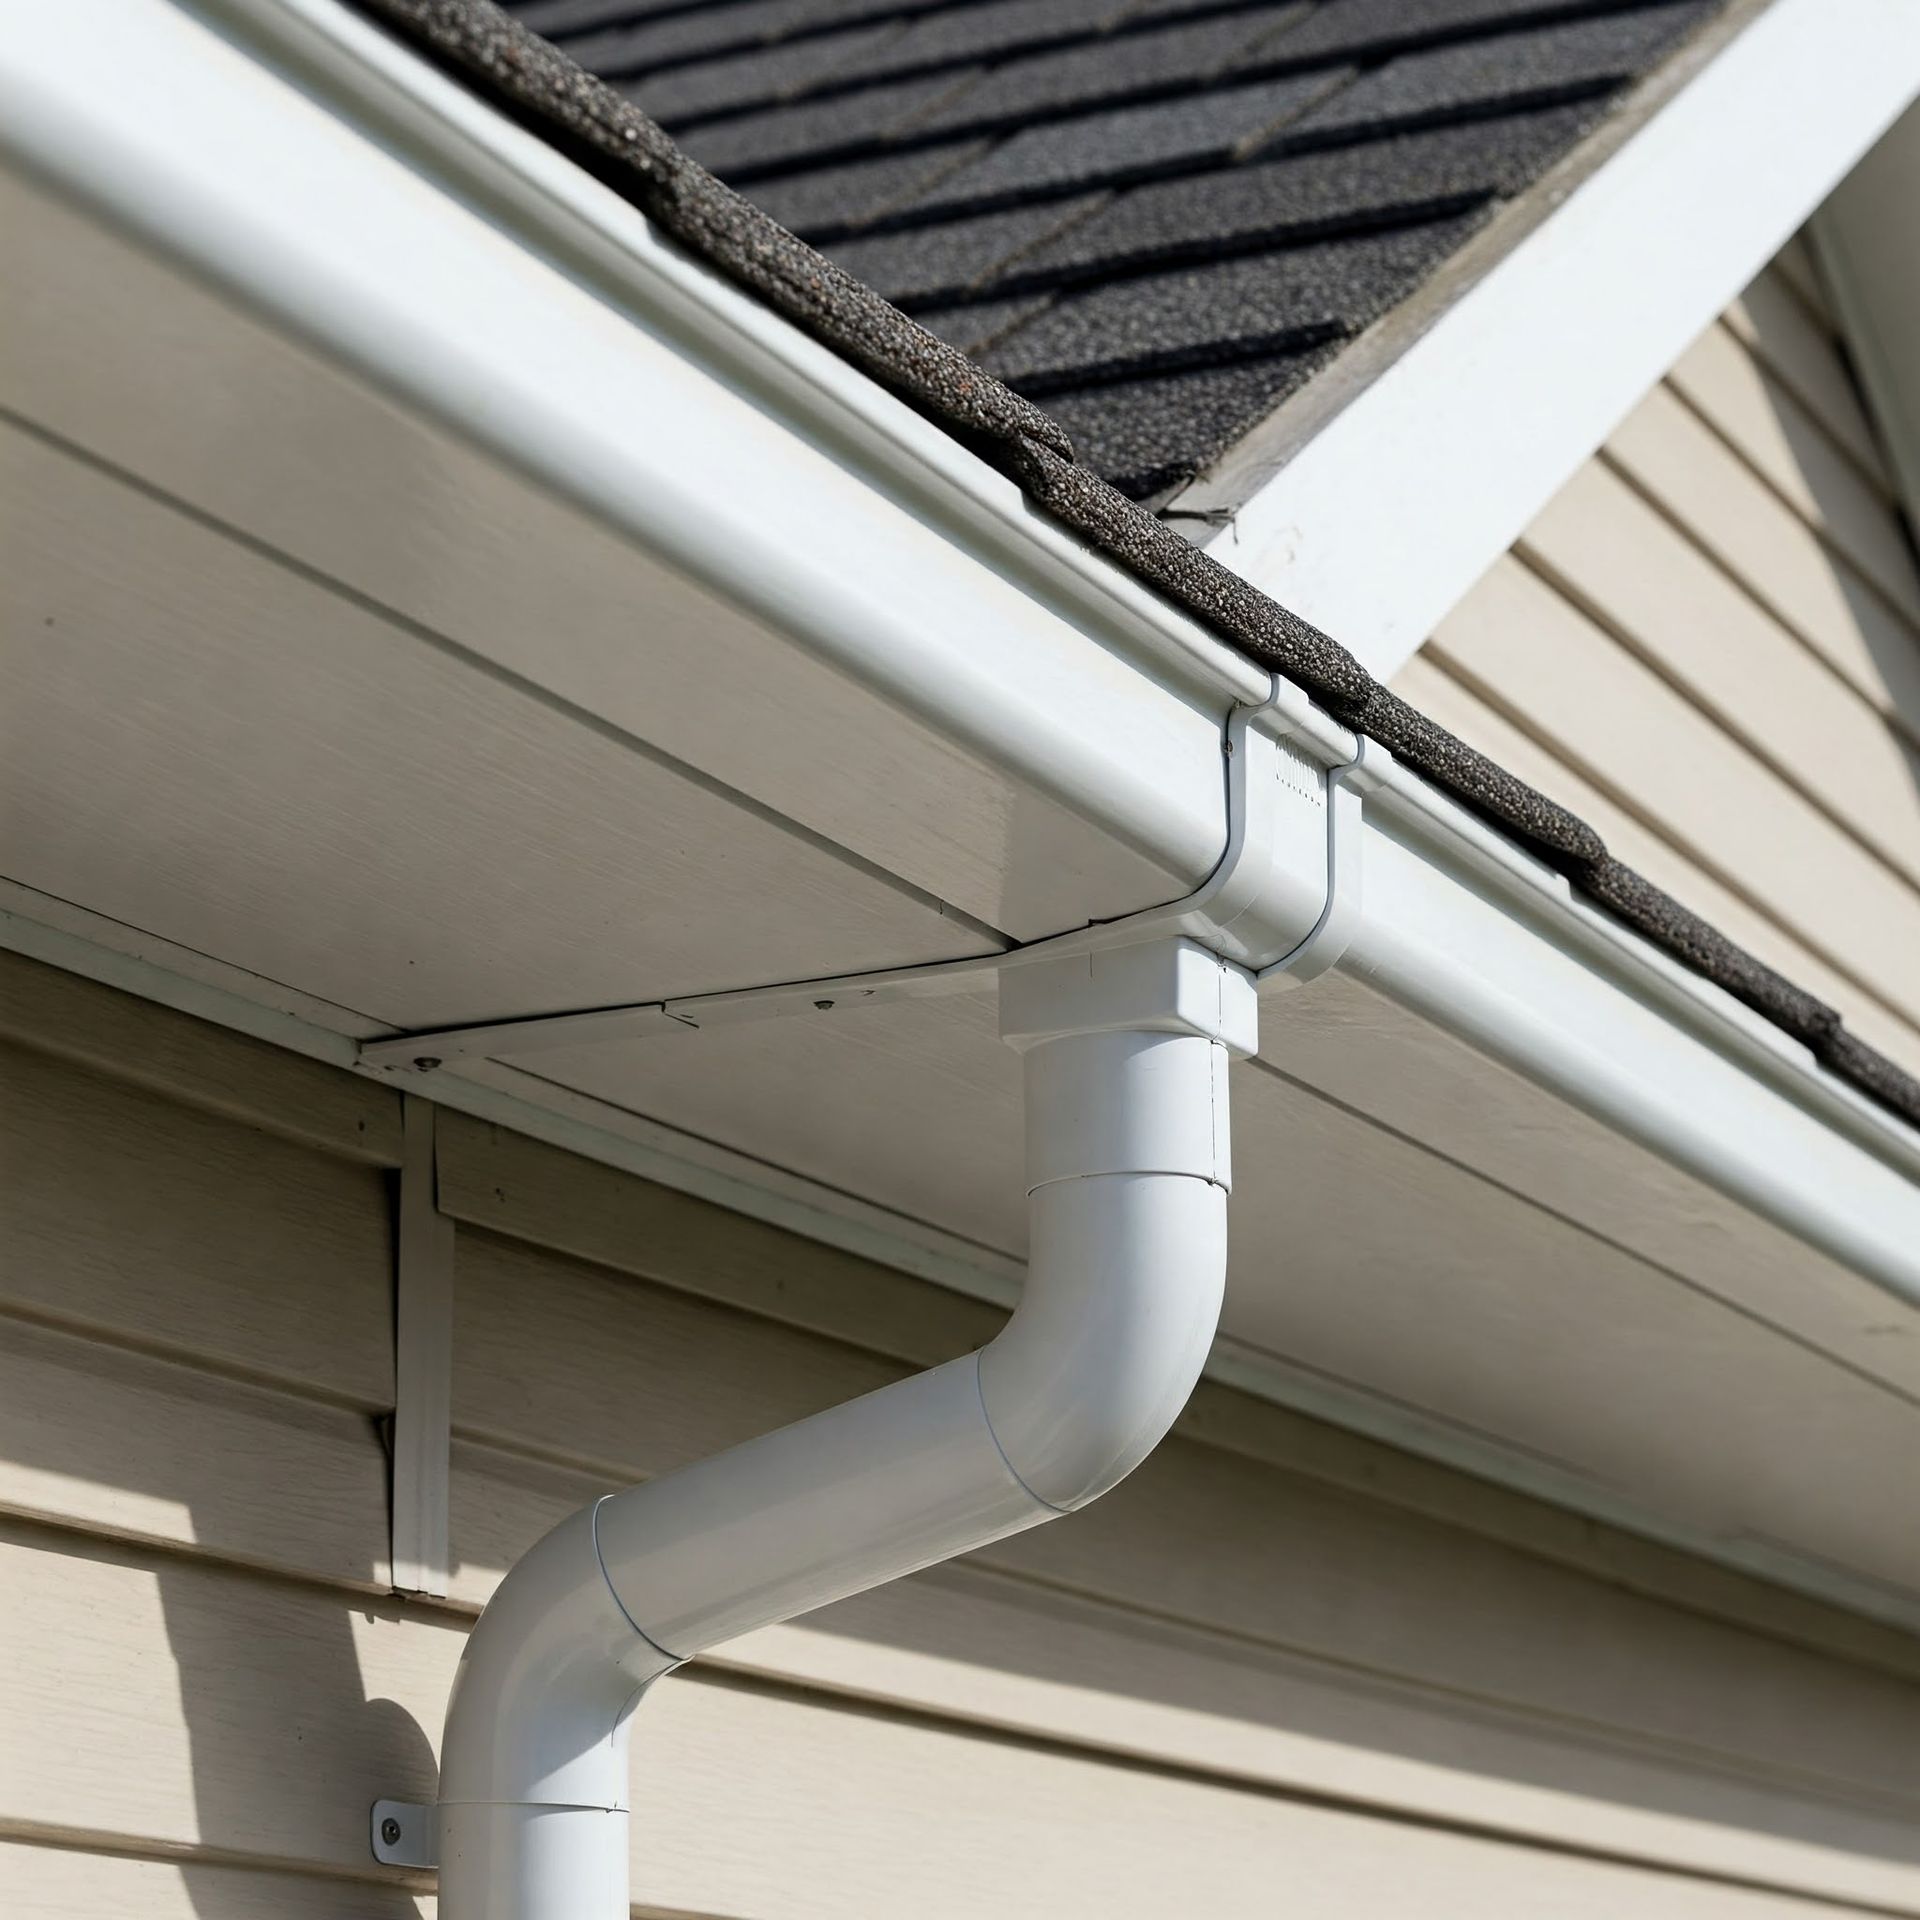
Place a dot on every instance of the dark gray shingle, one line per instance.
(1113, 69)
(926, 265)
(802, 131)
(1257, 305)
(972, 327)
(1147, 435)
(1409, 177)
(861, 189)
(637, 47)
(1130, 143)
(753, 79)
(1517, 68)
(1346, 29)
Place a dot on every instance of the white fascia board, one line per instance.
(1379, 523)
(1865, 238)
(891, 550)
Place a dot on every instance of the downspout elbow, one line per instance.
(1128, 1148)
(1127, 1172)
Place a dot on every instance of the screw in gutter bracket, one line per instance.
(405, 1834)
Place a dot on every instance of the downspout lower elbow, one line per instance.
(1127, 1146)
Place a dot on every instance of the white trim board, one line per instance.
(1378, 525)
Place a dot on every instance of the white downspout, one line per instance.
(1125, 1056)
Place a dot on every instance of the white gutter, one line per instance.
(1125, 1057)
(681, 414)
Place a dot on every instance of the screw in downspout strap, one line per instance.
(425, 1062)
(390, 1831)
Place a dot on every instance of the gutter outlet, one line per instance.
(1125, 1053)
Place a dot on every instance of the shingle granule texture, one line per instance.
(1220, 313)
(810, 134)
(925, 266)
(761, 75)
(1150, 432)
(1178, 59)
(1129, 144)
(860, 189)
(1060, 145)
(599, 128)
(1413, 176)
(1517, 69)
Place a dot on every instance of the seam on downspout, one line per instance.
(1019, 1479)
(600, 1558)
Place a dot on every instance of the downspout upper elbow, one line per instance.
(1128, 1169)
(1127, 1172)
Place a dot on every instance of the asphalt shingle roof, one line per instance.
(1130, 423)
(957, 151)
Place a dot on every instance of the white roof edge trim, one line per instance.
(1381, 522)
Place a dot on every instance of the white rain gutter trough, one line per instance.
(783, 480)
(709, 431)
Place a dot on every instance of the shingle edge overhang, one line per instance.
(541, 88)
(1444, 430)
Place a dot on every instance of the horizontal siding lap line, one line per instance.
(189, 1359)
(1755, 343)
(207, 1068)
(1599, 778)
(1672, 459)
(913, 1715)
(1452, 702)
(1128, 1616)
(739, 1674)
(110, 1845)
(1837, 547)
(1656, 661)
(113, 1844)
(1487, 1710)
(1888, 716)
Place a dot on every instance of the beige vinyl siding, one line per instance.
(1282, 1669)
(1708, 644)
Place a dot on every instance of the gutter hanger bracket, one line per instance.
(1227, 913)
(1326, 940)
